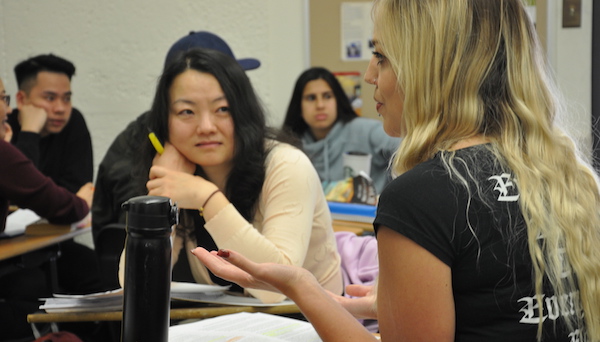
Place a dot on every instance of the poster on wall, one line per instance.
(356, 31)
(350, 82)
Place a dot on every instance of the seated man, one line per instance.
(23, 185)
(46, 128)
(54, 136)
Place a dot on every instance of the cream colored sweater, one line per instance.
(292, 226)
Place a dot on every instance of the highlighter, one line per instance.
(156, 143)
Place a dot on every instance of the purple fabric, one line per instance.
(359, 258)
(359, 264)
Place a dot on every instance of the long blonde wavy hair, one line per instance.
(474, 67)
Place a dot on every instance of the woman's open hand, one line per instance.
(233, 266)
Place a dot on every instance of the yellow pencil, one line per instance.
(156, 143)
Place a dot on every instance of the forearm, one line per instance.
(331, 321)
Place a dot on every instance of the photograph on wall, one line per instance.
(350, 82)
(357, 31)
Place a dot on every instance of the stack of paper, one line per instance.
(96, 302)
(26, 221)
(17, 221)
(113, 300)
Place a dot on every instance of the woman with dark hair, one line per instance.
(320, 114)
(241, 187)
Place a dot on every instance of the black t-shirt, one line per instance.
(480, 234)
(66, 157)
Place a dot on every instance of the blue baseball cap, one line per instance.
(204, 39)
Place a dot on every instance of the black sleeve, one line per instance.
(115, 182)
(422, 204)
(25, 186)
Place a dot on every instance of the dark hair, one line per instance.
(26, 72)
(293, 119)
(244, 183)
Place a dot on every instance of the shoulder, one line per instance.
(76, 116)
(287, 167)
(136, 129)
(364, 123)
(288, 161)
(368, 128)
(77, 124)
(425, 178)
(282, 152)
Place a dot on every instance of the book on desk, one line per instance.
(26, 221)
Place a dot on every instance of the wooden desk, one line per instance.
(359, 228)
(26, 243)
(176, 314)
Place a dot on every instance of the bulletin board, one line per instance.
(325, 28)
(326, 37)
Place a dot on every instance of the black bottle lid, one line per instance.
(150, 212)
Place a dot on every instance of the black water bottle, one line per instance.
(146, 301)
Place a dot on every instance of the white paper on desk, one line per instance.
(95, 302)
(245, 326)
(17, 221)
(113, 300)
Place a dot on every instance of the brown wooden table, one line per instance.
(22, 244)
(176, 314)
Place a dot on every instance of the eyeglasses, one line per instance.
(6, 99)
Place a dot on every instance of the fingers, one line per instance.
(238, 260)
(359, 290)
(32, 118)
(172, 159)
(86, 192)
(232, 269)
(219, 266)
(157, 172)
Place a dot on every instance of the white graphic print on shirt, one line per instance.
(553, 307)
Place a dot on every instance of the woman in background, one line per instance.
(253, 192)
(490, 231)
(320, 114)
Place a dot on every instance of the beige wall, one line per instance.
(119, 47)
